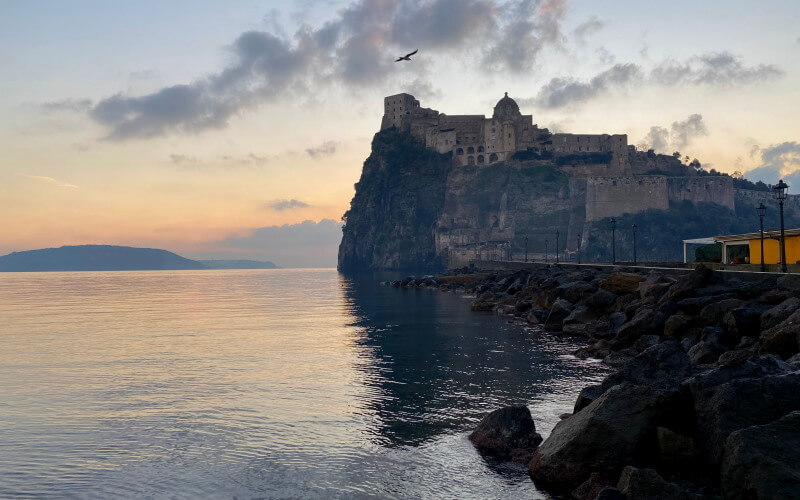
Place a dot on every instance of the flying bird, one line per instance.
(406, 57)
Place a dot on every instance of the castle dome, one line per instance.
(506, 109)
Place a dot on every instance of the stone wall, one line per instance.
(614, 196)
(709, 189)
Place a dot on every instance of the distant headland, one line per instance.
(113, 258)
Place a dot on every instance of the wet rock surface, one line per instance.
(705, 402)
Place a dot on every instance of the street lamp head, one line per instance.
(780, 190)
(761, 209)
(634, 228)
(613, 223)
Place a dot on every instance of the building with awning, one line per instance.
(752, 242)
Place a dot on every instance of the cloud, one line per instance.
(684, 132)
(325, 149)
(657, 139)
(183, 159)
(681, 134)
(287, 204)
(355, 48)
(70, 105)
(779, 161)
(307, 244)
(528, 27)
(560, 92)
(716, 69)
(587, 28)
(50, 180)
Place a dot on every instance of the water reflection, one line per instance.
(440, 367)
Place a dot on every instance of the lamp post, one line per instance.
(579, 248)
(557, 234)
(545, 249)
(634, 244)
(613, 241)
(762, 210)
(780, 195)
(526, 249)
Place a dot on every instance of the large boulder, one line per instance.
(687, 284)
(694, 305)
(622, 283)
(763, 461)
(601, 300)
(655, 286)
(647, 484)
(587, 396)
(751, 392)
(745, 320)
(713, 313)
(705, 352)
(779, 313)
(581, 315)
(575, 291)
(503, 431)
(617, 429)
(677, 325)
(782, 339)
(660, 367)
(558, 313)
(790, 282)
(646, 322)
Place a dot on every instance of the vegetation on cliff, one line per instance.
(390, 224)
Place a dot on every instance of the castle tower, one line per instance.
(506, 109)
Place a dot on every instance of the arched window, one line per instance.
(471, 160)
(470, 150)
(480, 159)
(480, 149)
(492, 158)
(460, 151)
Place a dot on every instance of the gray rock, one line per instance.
(705, 352)
(694, 305)
(587, 396)
(575, 292)
(686, 285)
(555, 320)
(661, 367)
(789, 282)
(610, 494)
(616, 321)
(779, 313)
(581, 314)
(622, 283)
(713, 313)
(755, 391)
(763, 461)
(646, 322)
(677, 325)
(745, 319)
(506, 429)
(782, 339)
(601, 300)
(647, 484)
(598, 439)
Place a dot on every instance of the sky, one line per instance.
(239, 130)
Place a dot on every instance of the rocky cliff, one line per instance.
(390, 224)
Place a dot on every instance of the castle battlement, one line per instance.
(478, 140)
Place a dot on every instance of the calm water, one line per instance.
(260, 384)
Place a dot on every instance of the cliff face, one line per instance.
(390, 224)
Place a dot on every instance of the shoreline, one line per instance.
(705, 394)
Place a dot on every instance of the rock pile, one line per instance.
(706, 399)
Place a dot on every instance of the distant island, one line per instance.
(113, 258)
(238, 264)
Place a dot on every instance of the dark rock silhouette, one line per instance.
(95, 258)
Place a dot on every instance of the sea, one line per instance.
(280, 383)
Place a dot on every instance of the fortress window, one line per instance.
(492, 158)
(460, 151)
(480, 159)
(493, 130)
(480, 149)
(471, 160)
(470, 150)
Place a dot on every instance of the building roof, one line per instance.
(754, 236)
(506, 108)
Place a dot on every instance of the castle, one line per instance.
(477, 140)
